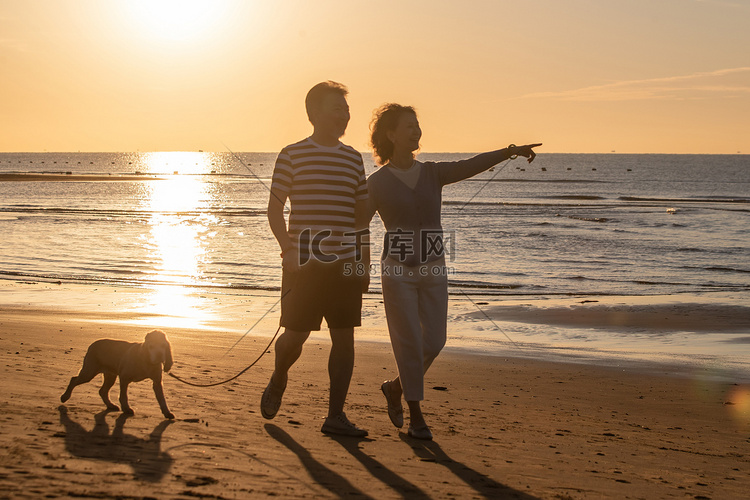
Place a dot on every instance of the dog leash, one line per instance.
(236, 376)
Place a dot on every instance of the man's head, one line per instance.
(327, 108)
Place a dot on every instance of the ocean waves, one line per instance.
(696, 199)
(588, 224)
(19, 210)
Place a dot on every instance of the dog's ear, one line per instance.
(167, 355)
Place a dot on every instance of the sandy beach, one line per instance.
(505, 427)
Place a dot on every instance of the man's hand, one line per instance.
(290, 259)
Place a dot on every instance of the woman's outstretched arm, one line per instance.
(463, 169)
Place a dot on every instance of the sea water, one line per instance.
(565, 224)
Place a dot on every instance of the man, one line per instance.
(324, 181)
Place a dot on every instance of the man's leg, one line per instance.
(340, 368)
(298, 307)
(288, 350)
(342, 311)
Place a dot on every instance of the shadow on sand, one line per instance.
(379, 471)
(144, 456)
(321, 474)
(428, 451)
(485, 486)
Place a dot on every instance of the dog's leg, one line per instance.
(109, 381)
(69, 390)
(88, 372)
(159, 393)
(126, 409)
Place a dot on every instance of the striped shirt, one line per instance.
(323, 185)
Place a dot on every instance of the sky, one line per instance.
(580, 76)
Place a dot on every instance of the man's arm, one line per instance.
(279, 229)
(363, 213)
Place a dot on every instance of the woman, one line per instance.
(407, 195)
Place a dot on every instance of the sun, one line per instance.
(178, 20)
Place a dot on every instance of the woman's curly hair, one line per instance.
(385, 119)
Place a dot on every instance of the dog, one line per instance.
(132, 362)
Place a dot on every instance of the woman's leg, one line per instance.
(416, 419)
(433, 311)
(401, 302)
(433, 318)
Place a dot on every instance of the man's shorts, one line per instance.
(321, 290)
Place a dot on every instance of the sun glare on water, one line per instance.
(180, 227)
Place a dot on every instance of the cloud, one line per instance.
(14, 45)
(724, 83)
(726, 3)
